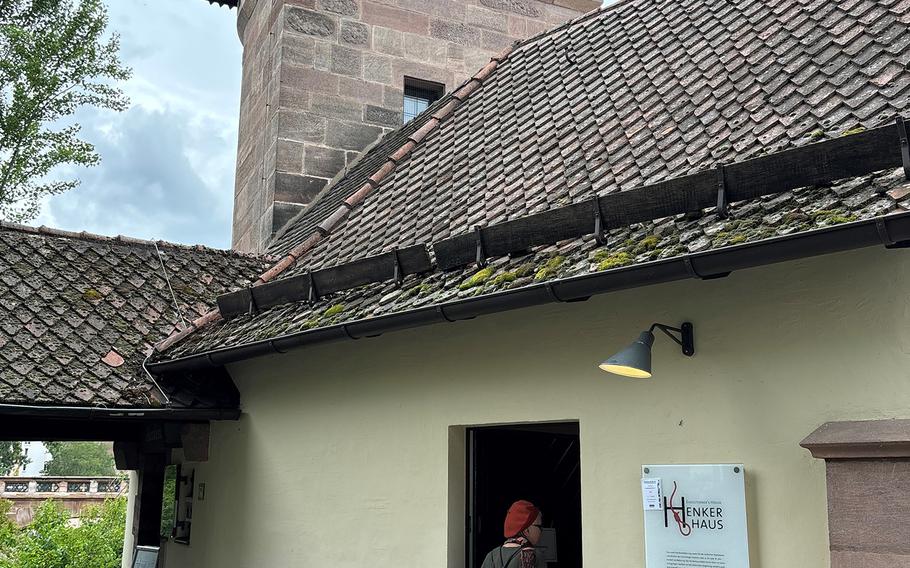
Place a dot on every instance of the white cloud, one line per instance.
(167, 166)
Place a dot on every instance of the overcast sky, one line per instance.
(167, 163)
(167, 169)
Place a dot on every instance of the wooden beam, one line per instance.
(127, 456)
(413, 259)
(151, 492)
(195, 441)
(378, 268)
(814, 164)
(69, 430)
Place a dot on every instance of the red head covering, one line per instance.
(521, 515)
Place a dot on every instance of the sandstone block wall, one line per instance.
(322, 79)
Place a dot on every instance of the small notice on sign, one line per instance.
(650, 492)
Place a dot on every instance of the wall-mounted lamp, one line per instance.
(635, 360)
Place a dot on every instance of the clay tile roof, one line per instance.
(79, 312)
(638, 92)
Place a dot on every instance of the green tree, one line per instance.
(51, 542)
(7, 528)
(168, 501)
(79, 458)
(11, 455)
(54, 58)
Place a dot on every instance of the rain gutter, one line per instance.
(891, 231)
(133, 414)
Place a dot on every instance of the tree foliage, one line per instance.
(54, 58)
(7, 529)
(11, 455)
(51, 541)
(79, 458)
(168, 502)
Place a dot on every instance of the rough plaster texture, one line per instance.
(322, 79)
(350, 454)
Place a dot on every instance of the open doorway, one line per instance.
(58, 493)
(537, 462)
(142, 446)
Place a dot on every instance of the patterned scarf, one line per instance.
(527, 557)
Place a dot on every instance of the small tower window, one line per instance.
(418, 95)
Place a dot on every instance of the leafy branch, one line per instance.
(54, 59)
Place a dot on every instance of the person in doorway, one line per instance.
(522, 532)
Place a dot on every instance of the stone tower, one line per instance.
(322, 79)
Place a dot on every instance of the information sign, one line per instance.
(695, 516)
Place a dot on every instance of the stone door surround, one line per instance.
(868, 483)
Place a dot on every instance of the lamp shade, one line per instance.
(633, 361)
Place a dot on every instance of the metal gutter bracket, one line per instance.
(905, 145)
(598, 223)
(313, 295)
(690, 269)
(397, 274)
(548, 286)
(886, 237)
(721, 193)
(481, 257)
(705, 266)
(440, 309)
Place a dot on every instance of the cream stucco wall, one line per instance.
(344, 453)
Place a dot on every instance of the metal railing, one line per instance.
(42, 486)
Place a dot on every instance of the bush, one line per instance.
(168, 501)
(50, 542)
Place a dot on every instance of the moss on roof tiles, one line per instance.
(549, 269)
(507, 153)
(476, 279)
(607, 260)
(746, 225)
(69, 299)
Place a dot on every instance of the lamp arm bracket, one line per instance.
(686, 339)
(668, 330)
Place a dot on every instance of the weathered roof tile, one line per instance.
(639, 92)
(79, 313)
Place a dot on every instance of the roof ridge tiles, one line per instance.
(341, 212)
(44, 230)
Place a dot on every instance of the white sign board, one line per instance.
(146, 557)
(701, 518)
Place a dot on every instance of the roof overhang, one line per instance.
(120, 414)
(891, 231)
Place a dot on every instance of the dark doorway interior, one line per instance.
(540, 463)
